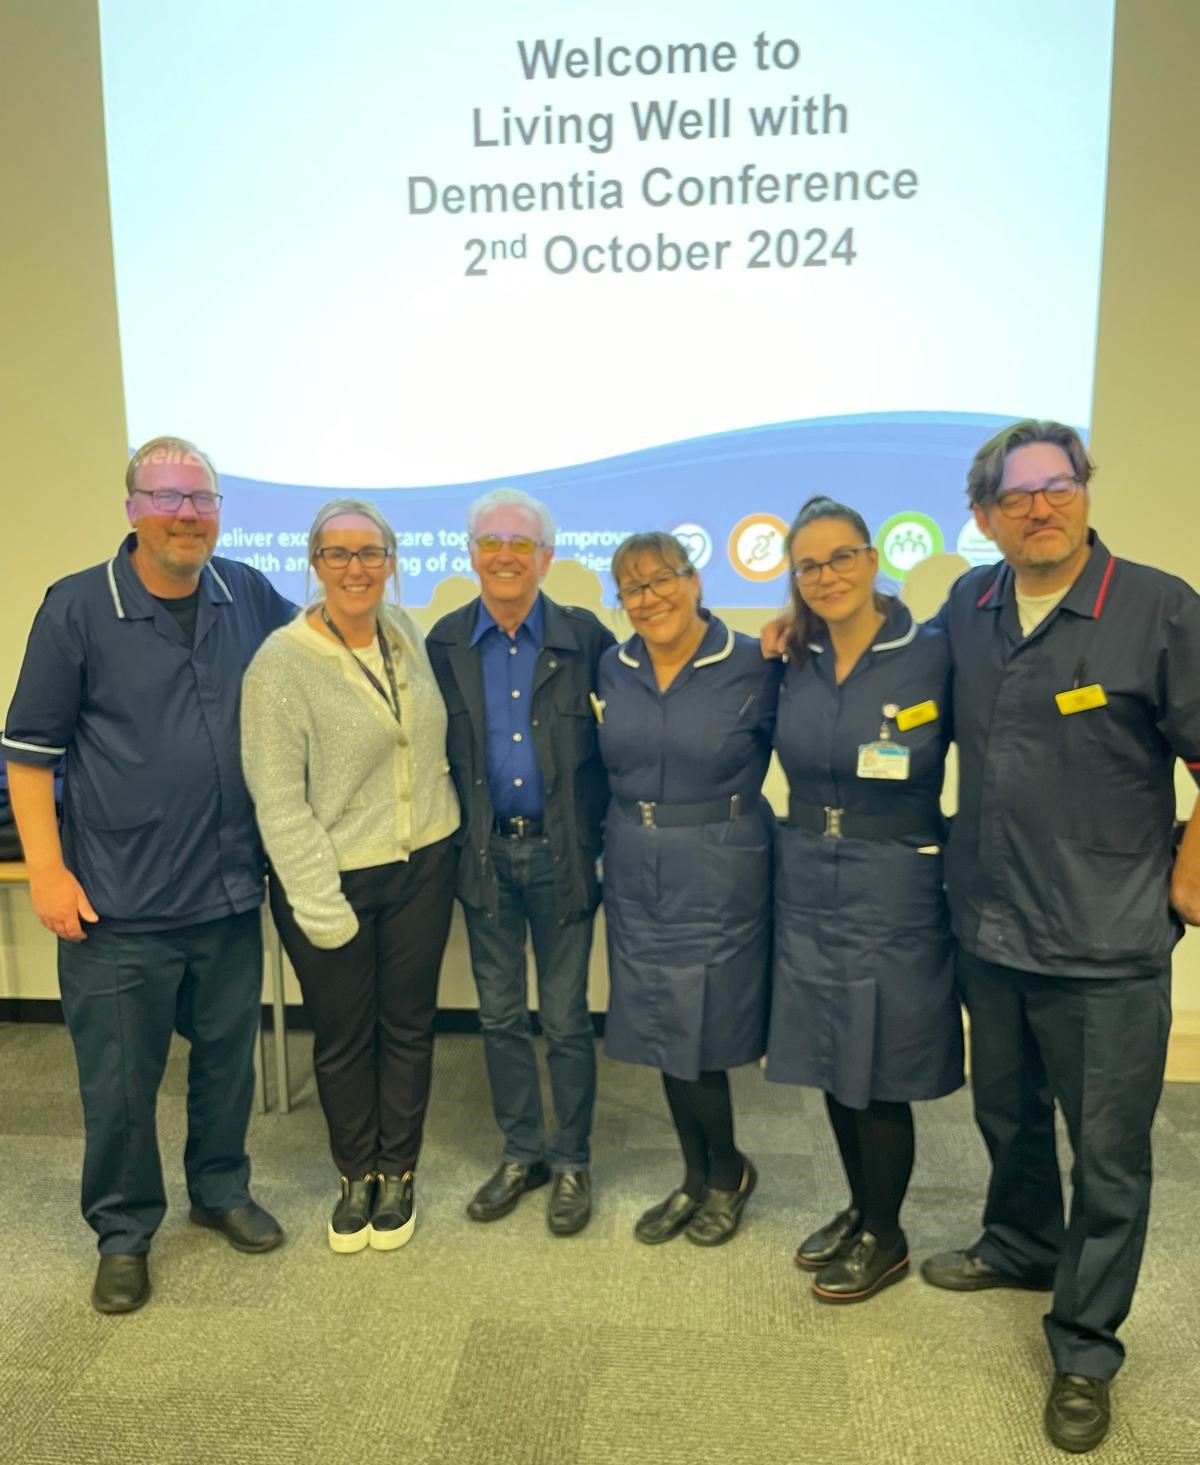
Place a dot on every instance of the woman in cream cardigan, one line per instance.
(344, 750)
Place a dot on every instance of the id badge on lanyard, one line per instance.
(884, 758)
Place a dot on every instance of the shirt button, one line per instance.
(518, 783)
(512, 650)
(516, 694)
(516, 737)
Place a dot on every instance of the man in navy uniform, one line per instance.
(1077, 685)
(133, 672)
(518, 673)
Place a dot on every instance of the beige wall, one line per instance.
(62, 435)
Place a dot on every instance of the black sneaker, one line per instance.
(394, 1217)
(350, 1224)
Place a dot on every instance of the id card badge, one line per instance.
(882, 760)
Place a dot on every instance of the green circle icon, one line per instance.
(905, 540)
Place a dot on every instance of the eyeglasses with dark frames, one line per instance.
(1017, 503)
(170, 500)
(841, 562)
(337, 556)
(663, 585)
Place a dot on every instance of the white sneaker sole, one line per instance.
(345, 1243)
(392, 1240)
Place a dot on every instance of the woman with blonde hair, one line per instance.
(344, 750)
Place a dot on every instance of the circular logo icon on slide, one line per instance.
(756, 546)
(697, 541)
(905, 540)
(975, 547)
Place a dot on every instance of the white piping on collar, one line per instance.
(903, 641)
(726, 650)
(623, 654)
(220, 582)
(113, 591)
(812, 646)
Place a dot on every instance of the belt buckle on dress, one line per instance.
(520, 821)
(833, 822)
(647, 810)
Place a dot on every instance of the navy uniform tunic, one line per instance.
(688, 909)
(1059, 871)
(863, 1001)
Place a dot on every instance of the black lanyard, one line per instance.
(393, 702)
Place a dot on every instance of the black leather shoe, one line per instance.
(248, 1227)
(819, 1249)
(570, 1206)
(666, 1219)
(350, 1224)
(963, 1271)
(1077, 1412)
(861, 1271)
(500, 1194)
(720, 1211)
(122, 1282)
(394, 1218)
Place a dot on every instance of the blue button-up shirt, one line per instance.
(508, 664)
(157, 824)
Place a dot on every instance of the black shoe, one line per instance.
(963, 1271)
(350, 1224)
(394, 1217)
(500, 1194)
(247, 1227)
(666, 1219)
(570, 1207)
(819, 1249)
(720, 1211)
(122, 1282)
(863, 1270)
(1077, 1412)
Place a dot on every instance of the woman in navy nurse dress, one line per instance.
(686, 708)
(863, 997)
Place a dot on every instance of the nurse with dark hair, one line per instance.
(685, 712)
(863, 1001)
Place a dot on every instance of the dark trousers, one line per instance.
(561, 947)
(1098, 1046)
(372, 1004)
(123, 997)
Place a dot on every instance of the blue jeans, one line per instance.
(525, 871)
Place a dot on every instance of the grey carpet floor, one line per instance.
(503, 1344)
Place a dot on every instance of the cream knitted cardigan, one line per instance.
(338, 784)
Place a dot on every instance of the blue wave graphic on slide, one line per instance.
(883, 464)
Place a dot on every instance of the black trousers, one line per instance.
(1098, 1046)
(372, 1004)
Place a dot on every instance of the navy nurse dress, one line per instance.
(688, 907)
(863, 999)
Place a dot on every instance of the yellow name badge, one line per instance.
(916, 716)
(1081, 699)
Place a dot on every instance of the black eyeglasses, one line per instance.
(1017, 503)
(169, 500)
(841, 562)
(337, 556)
(663, 585)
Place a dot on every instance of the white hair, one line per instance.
(499, 496)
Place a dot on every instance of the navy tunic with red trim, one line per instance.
(863, 999)
(1059, 859)
(688, 910)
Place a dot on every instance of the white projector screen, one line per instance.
(663, 265)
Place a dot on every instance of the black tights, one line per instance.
(876, 1145)
(703, 1115)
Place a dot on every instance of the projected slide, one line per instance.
(663, 265)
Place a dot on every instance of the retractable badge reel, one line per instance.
(884, 758)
